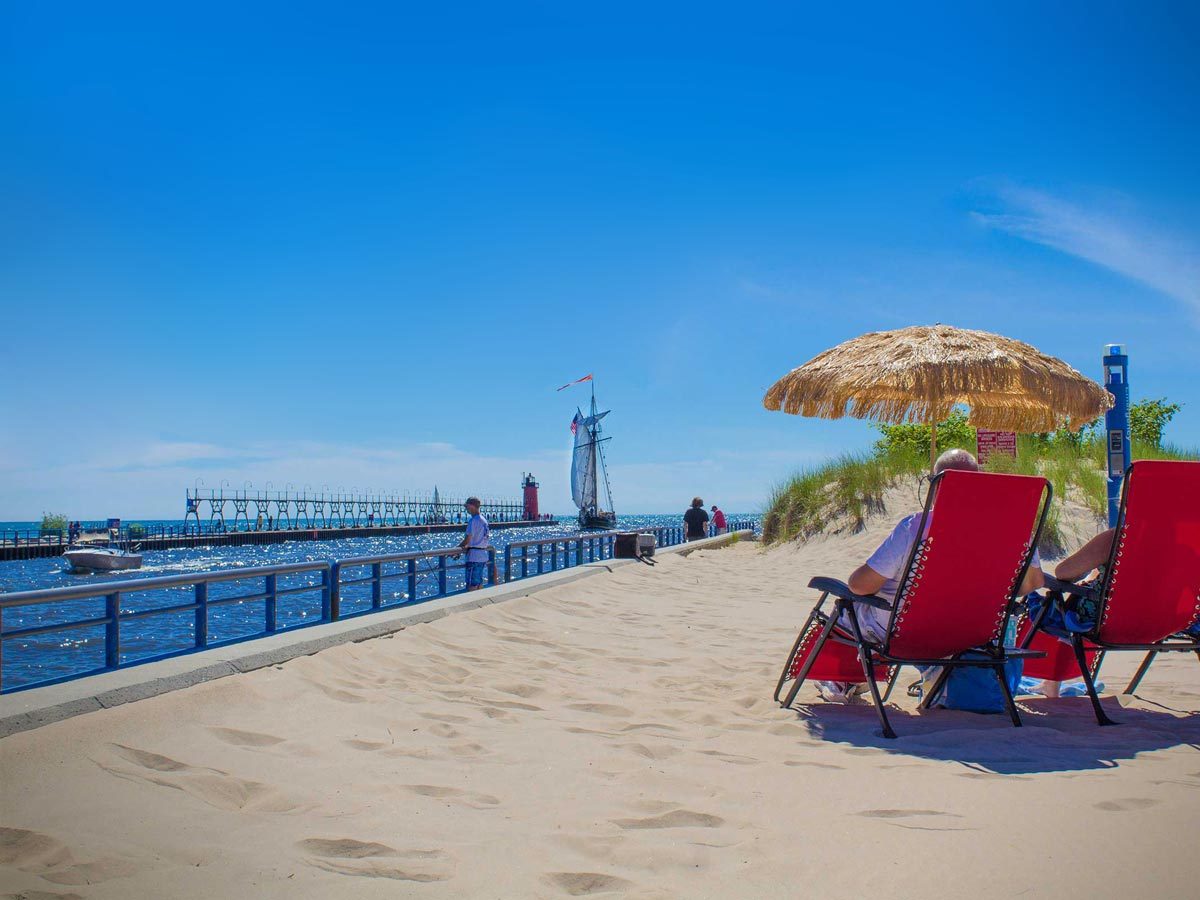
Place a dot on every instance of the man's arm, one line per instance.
(865, 580)
(1092, 554)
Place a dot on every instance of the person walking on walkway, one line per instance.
(696, 520)
(476, 543)
(718, 520)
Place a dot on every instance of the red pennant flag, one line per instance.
(587, 377)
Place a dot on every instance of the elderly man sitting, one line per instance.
(880, 576)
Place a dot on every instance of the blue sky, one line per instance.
(361, 245)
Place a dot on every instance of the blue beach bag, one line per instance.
(975, 689)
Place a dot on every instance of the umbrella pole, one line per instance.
(932, 446)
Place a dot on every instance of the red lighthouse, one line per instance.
(531, 498)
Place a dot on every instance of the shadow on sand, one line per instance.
(1058, 735)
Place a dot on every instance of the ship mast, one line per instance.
(595, 429)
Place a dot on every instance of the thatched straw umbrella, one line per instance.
(920, 374)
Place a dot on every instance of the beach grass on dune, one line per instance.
(841, 494)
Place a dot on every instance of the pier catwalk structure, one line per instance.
(219, 517)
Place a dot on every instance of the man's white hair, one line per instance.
(955, 459)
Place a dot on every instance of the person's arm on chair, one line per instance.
(1091, 555)
(865, 581)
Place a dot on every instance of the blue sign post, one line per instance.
(1116, 424)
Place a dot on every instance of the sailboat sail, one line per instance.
(583, 461)
(589, 473)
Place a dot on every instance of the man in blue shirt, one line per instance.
(476, 543)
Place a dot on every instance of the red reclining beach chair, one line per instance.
(953, 601)
(1150, 592)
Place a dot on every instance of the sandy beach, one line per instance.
(612, 736)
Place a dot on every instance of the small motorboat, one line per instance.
(101, 559)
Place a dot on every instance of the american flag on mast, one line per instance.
(575, 423)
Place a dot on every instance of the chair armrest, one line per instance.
(1055, 584)
(1070, 587)
(842, 591)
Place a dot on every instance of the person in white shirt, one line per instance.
(880, 576)
(476, 543)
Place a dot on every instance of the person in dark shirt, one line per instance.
(696, 520)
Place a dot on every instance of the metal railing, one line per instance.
(541, 555)
(409, 567)
(121, 609)
(134, 608)
(31, 537)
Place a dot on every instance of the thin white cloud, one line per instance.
(1120, 243)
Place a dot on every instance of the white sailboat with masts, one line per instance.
(589, 473)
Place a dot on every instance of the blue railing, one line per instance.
(124, 623)
(355, 593)
(523, 559)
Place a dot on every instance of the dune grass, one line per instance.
(840, 495)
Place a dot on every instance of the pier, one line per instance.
(31, 545)
(274, 517)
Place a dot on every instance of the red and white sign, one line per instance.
(989, 442)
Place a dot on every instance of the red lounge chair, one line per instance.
(954, 598)
(1150, 592)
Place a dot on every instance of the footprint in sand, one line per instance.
(732, 758)
(212, 786)
(601, 709)
(520, 690)
(466, 798)
(367, 746)
(338, 694)
(1126, 804)
(677, 818)
(640, 726)
(445, 717)
(580, 884)
(815, 765)
(367, 859)
(42, 855)
(513, 704)
(651, 751)
(903, 813)
(241, 738)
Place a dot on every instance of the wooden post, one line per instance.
(932, 445)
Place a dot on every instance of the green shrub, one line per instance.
(54, 522)
(913, 438)
(1148, 418)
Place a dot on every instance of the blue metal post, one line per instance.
(330, 594)
(376, 585)
(201, 614)
(1116, 424)
(272, 600)
(508, 563)
(491, 575)
(112, 630)
(442, 575)
(412, 580)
